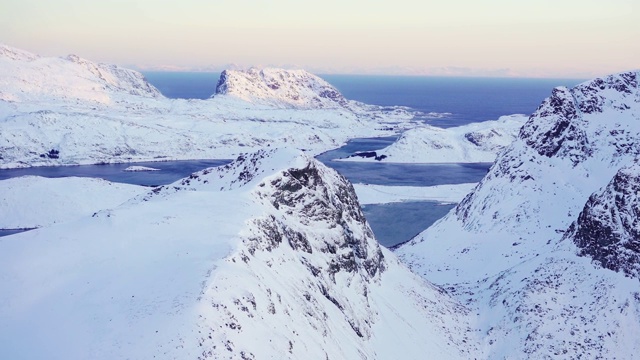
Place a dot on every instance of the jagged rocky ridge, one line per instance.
(267, 257)
(66, 111)
(533, 246)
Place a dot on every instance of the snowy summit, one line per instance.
(282, 88)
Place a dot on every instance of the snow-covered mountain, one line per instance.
(267, 257)
(61, 111)
(475, 142)
(278, 87)
(27, 77)
(545, 247)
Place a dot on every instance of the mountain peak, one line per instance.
(16, 54)
(30, 78)
(558, 128)
(283, 88)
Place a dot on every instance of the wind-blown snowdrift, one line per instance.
(267, 257)
(545, 248)
(61, 111)
(476, 142)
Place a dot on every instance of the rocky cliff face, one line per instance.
(284, 88)
(562, 126)
(584, 134)
(608, 228)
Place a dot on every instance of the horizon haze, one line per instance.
(566, 39)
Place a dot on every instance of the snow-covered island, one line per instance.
(475, 142)
(136, 168)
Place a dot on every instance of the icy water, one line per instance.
(408, 219)
(9, 232)
(398, 222)
(169, 172)
(379, 173)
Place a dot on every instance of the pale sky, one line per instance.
(541, 38)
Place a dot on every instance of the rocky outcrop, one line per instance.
(561, 125)
(608, 228)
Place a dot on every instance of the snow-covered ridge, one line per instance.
(278, 87)
(475, 142)
(267, 257)
(533, 246)
(562, 125)
(8, 52)
(28, 77)
(65, 111)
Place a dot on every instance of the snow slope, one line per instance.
(476, 142)
(34, 201)
(267, 257)
(61, 111)
(545, 247)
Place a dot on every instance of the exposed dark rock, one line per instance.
(221, 87)
(306, 191)
(608, 228)
(369, 154)
(556, 128)
(51, 154)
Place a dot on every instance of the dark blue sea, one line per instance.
(463, 99)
